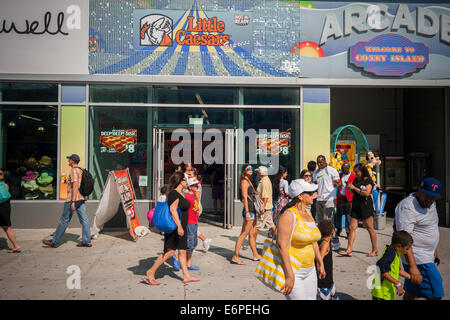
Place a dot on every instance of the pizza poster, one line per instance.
(118, 141)
(273, 143)
(127, 197)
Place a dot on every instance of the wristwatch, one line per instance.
(398, 284)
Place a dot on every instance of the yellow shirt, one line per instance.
(303, 236)
(265, 191)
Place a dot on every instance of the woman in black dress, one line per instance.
(362, 209)
(177, 240)
(5, 216)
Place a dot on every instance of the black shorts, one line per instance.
(362, 211)
(344, 206)
(5, 214)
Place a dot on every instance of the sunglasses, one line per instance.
(310, 193)
(249, 169)
(307, 175)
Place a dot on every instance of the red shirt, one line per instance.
(193, 216)
(348, 193)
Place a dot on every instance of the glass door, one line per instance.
(230, 177)
(158, 162)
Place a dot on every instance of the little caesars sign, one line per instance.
(375, 17)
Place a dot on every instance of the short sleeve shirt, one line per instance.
(74, 177)
(422, 224)
(193, 216)
(324, 179)
(284, 185)
(265, 191)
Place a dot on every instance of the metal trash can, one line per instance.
(379, 221)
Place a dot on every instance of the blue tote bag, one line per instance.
(162, 218)
(4, 193)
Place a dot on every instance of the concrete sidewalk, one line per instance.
(113, 267)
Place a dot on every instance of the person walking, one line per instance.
(247, 197)
(5, 212)
(417, 215)
(327, 179)
(386, 284)
(280, 193)
(75, 201)
(344, 200)
(298, 236)
(192, 224)
(264, 221)
(198, 193)
(362, 209)
(176, 240)
(326, 289)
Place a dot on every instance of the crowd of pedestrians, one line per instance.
(299, 216)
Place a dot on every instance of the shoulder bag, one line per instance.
(4, 193)
(258, 203)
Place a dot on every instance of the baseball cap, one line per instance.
(432, 187)
(74, 157)
(262, 170)
(192, 182)
(299, 186)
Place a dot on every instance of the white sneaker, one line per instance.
(206, 244)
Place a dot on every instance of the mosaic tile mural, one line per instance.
(256, 38)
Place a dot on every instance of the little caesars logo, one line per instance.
(157, 30)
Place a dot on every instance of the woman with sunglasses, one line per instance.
(306, 175)
(297, 242)
(177, 240)
(280, 193)
(247, 197)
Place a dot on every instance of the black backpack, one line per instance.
(87, 183)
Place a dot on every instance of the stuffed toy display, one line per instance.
(372, 161)
(336, 161)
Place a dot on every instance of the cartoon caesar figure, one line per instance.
(156, 30)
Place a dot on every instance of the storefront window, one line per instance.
(195, 95)
(286, 121)
(188, 117)
(116, 93)
(42, 92)
(272, 96)
(28, 150)
(118, 139)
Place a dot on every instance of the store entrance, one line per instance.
(213, 159)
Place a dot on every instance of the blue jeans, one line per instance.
(65, 220)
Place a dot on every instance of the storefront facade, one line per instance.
(115, 81)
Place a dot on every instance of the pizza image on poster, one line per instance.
(118, 141)
(276, 144)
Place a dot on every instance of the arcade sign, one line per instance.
(389, 55)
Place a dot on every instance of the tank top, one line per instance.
(251, 195)
(303, 236)
(328, 264)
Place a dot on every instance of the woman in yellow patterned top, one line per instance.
(297, 242)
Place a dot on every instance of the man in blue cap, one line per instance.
(417, 215)
(75, 201)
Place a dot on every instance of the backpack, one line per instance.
(87, 183)
(162, 218)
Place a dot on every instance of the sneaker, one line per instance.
(206, 244)
(194, 268)
(176, 264)
(49, 243)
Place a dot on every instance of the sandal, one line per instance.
(345, 253)
(372, 254)
(150, 282)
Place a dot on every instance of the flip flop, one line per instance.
(241, 263)
(147, 281)
(372, 255)
(345, 253)
(14, 251)
(189, 281)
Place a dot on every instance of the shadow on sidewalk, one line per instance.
(166, 269)
(3, 244)
(65, 238)
(344, 296)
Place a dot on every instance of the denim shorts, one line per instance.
(252, 215)
(191, 237)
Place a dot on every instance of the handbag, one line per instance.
(258, 203)
(162, 218)
(4, 193)
(270, 268)
(150, 214)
